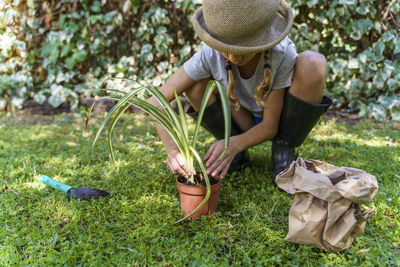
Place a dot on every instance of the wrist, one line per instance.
(171, 149)
(237, 143)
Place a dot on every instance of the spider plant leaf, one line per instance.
(208, 186)
(114, 109)
(184, 130)
(114, 90)
(161, 118)
(182, 115)
(111, 128)
(159, 97)
(226, 109)
(92, 105)
(206, 97)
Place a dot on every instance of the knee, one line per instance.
(313, 66)
(196, 92)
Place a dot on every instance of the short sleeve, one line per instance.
(284, 73)
(197, 67)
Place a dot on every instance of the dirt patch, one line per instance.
(31, 107)
(345, 116)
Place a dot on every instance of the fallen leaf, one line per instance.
(228, 227)
(234, 215)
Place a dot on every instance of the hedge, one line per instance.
(57, 51)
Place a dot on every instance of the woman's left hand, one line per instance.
(217, 167)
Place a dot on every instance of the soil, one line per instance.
(199, 180)
(343, 116)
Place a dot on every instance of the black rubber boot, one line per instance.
(213, 122)
(297, 120)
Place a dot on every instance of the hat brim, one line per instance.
(263, 39)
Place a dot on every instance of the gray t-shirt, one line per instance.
(209, 62)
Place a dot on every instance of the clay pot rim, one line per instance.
(196, 190)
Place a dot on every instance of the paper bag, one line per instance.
(326, 212)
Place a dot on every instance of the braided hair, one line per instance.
(263, 90)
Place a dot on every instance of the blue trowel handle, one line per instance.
(55, 184)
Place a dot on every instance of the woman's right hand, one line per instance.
(176, 163)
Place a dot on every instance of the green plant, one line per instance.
(175, 124)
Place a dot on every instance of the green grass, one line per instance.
(40, 226)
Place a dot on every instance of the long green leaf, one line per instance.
(111, 128)
(182, 115)
(160, 98)
(225, 109)
(206, 97)
(173, 116)
(162, 119)
(185, 133)
(91, 107)
(114, 109)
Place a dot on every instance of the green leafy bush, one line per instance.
(59, 50)
(361, 40)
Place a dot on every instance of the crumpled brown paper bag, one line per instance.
(326, 212)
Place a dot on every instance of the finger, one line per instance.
(209, 152)
(225, 170)
(219, 167)
(176, 168)
(182, 164)
(170, 167)
(214, 157)
(217, 162)
(180, 171)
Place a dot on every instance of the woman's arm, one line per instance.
(259, 133)
(181, 82)
(266, 129)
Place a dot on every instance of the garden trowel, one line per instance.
(81, 192)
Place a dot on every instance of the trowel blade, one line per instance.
(87, 193)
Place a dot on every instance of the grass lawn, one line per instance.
(134, 226)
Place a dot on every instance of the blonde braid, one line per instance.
(264, 90)
(231, 83)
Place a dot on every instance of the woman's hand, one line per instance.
(176, 163)
(217, 167)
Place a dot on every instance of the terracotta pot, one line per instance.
(192, 196)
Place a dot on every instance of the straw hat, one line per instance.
(242, 26)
